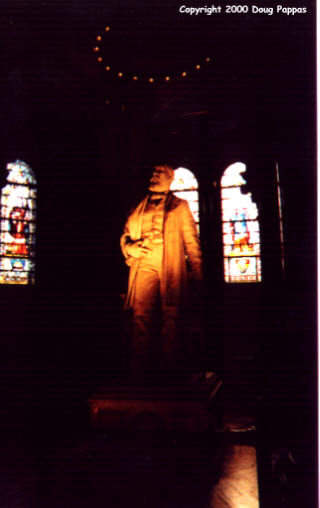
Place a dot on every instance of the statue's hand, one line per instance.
(136, 250)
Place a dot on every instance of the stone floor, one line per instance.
(76, 467)
(148, 470)
(139, 468)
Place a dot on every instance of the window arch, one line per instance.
(185, 186)
(17, 225)
(240, 228)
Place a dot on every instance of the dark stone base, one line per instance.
(179, 405)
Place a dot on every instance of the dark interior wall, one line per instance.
(80, 271)
(92, 159)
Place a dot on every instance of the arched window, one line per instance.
(240, 228)
(17, 225)
(185, 186)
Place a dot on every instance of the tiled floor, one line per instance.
(151, 471)
(76, 468)
(137, 468)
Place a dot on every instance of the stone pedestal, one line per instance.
(179, 406)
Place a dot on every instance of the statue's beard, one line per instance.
(155, 186)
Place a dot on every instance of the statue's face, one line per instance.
(161, 179)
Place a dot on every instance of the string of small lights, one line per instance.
(119, 73)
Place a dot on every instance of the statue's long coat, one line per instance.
(180, 238)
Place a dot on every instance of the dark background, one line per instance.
(91, 140)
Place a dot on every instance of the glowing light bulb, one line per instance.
(208, 59)
(108, 68)
(198, 66)
(151, 80)
(135, 78)
(96, 49)
(99, 38)
(183, 74)
(107, 28)
(99, 58)
(120, 74)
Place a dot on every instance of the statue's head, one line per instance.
(161, 179)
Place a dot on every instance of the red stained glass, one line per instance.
(17, 225)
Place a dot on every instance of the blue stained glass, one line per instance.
(240, 227)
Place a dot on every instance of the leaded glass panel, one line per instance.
(240, 228)
(17, 225)
(185, 186)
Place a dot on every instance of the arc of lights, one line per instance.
(146, 77)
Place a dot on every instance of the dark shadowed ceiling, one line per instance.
(49, 69)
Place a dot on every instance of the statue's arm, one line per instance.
(125, 241)
(191, 241)
(131, 249)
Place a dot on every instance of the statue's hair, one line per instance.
(169, 169)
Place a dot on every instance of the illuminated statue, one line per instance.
(161, 245)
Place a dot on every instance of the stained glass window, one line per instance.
(240, 228)
(185, 186)
(17, 225)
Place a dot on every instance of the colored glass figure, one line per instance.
(185, 186)
(17, 225)
(240, 229)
